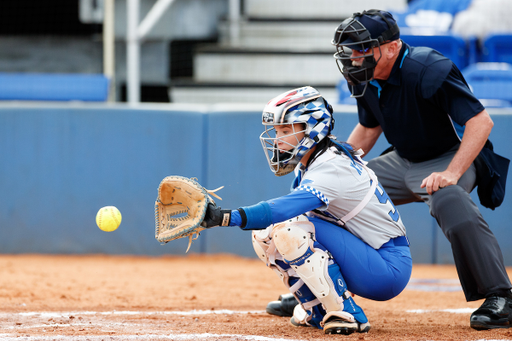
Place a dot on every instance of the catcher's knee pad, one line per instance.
(349, 305)
(266, 251)
(261, 243)
(294, 239)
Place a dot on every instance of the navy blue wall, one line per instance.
(60, 164)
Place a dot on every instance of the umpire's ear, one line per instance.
(392, 49)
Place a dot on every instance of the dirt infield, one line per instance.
(198, 297)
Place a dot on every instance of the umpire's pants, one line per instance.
(476, 252)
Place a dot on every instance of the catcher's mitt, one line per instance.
(180, 208)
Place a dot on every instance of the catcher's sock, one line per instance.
(317, 316)
(349, 305)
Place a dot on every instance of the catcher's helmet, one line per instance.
(363, 32)
(302, 105)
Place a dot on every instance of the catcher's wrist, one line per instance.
(226, 217)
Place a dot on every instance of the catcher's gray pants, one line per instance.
(476, 252)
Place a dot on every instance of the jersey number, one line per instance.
(384, 199)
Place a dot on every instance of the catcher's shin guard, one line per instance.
(295, 242)
(266, 251)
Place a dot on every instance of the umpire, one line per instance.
(422, 103)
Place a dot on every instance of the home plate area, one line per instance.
(204, 297)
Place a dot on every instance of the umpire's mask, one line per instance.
(356, 39)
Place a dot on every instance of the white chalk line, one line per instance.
(187, 313)
(204, 336)
(50, 314)
(60, 325)
(453, 311)
(430, 285)
(178, 337)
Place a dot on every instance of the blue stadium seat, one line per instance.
(491, 83)
(450, 45)
(53, 87)
(497, 48)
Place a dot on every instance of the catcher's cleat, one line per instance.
(494, 313)
(336, 325)
(283, 306)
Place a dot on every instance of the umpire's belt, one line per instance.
(398, 241)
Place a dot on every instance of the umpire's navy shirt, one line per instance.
(422, 103)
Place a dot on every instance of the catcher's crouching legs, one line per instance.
(299, 292)
(295, 243)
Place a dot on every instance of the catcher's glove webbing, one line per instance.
(180, 208)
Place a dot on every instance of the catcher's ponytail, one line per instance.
(327, 143)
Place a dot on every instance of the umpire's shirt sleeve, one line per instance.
(451, 93)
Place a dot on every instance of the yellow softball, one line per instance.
(108, 218)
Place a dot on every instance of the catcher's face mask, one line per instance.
(280, 144)
(284, 150)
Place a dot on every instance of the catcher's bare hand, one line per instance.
(215, 216)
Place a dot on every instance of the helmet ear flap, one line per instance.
(329, 107)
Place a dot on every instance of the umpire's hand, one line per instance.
(438, 180)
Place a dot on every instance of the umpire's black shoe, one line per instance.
(495, 312)
(283, 306)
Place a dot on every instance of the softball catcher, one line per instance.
(336, 233)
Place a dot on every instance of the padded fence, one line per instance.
(53, 87)
(61, 163)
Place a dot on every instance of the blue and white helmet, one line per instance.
(302, 105)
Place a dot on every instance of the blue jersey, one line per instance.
(330, 188)
(341, 183)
